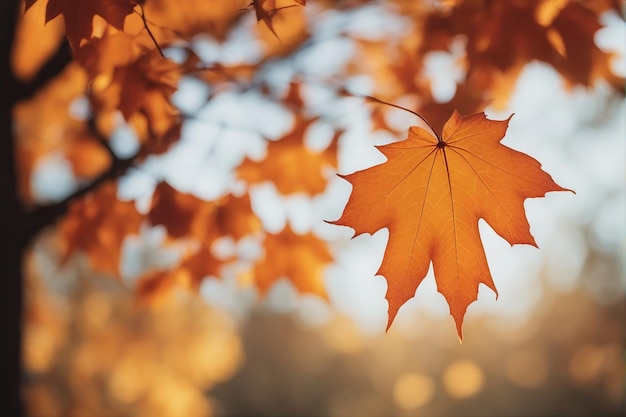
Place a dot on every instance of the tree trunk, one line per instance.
(17, 225)
(13, 239)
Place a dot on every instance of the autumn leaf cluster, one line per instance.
(126, 60)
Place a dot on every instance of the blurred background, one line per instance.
(551, 345)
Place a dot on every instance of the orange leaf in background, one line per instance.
(98, 225)
(300, 258)
(291, 165)
(235, 217)
(559, 33)
(143, 85)
(184, 214)
(35, 43)
(431, 193)
(146, 87)
(187, 216)
(101, 56)
(156, 285)
(135, 82)
(79, 14)
(582, 61)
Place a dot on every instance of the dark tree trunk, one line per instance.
(17, 225)
(12, 231)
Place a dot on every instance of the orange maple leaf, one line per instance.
(187, 216)
(79, 14)
(98, 225)
(156, 285)
(184, 214)
(35, 43)
(291, 165)
(144, 86)
(135, 82)
(559, 33)
(431, 193)
(300, 258)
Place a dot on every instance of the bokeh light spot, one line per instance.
(413, 390)
(463, 379)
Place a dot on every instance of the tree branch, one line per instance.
(53, 67)
(43, 216)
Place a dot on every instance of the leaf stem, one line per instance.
(397, 106)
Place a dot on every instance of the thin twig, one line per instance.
(145, 24)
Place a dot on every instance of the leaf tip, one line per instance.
(459, 329)
(389, 321)
(345, 177)
(458, 314)
(393, 311)
(339, 223)
(333, 222)
(566, 189)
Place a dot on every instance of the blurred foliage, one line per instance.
(90, 351)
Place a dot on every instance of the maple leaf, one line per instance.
(431, 193)
(35, 43)
(145, 85)
(559, 33)
(156, 285)
(101, 56)
(291, 165)
(581, 61)
(135, 82)
(184, 214)
(300, 258)
(98, 224)
(187, 216)
(79, 14)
